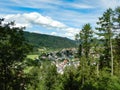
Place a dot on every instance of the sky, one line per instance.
(63, 18)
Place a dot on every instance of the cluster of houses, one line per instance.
(58, 55)
(61, 66)
(65, 57)
(61, 59)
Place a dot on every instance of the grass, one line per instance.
(28, 69)
(32, 56)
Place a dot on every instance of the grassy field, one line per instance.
(32, 56)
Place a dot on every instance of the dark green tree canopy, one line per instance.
(13, 46)
(13, 49)
(85, 39)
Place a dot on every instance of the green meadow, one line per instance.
(32, 56)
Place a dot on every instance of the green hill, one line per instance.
(48, 41)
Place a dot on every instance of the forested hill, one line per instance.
(48, 41)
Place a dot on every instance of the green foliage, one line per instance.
(70, 79)
(105, 30)
(32, 56)
(13, 50)
(116, 17)
(116, 20)
(48, 41)
(43, 77)
(117, 56)
(85, 41)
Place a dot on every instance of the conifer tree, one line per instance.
(105, 30)
(85, 41)
(84, 50)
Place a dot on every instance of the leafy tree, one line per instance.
(13, 50)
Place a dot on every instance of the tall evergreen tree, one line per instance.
(116, 27)
(105, 30)
(85, 41)
(84, 49)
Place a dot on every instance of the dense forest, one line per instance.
(99, 59)
(48, 41)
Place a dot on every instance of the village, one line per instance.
(61, 59)
(64, 58)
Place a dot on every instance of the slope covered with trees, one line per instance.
(48, 41)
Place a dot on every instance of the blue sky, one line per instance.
(55, 17)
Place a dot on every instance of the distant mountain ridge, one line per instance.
(48, 41)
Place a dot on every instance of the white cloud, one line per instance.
(51, 4)
(49, 23)
(34, 18)
(57, 4)
(36, 31)
(103, 4)
(72, 30)
(37, 18)
(19, 20)
(53, 33)
(80, 6)
(76, 19)
(110, 3)
(43, 4)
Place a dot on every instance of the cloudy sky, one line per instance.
(55, 17)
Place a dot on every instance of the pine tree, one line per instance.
(84, 49)
(85, 41)
(116, 27)
(105, 30)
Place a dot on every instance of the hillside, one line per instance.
(48, 41)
